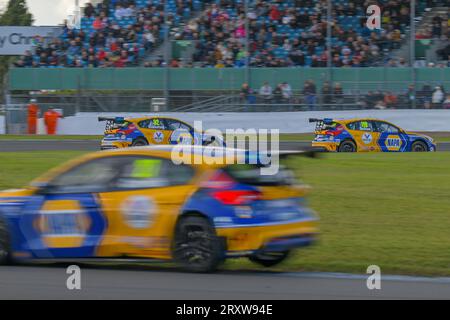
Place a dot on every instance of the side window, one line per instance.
(175, 125)
(365, 126)
(154, 123)
(93, 176)
(352, 126)
(361, 125)
(386, 127)
(147, 172)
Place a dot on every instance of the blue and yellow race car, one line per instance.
(137, 203)
(367, 135)
(123, 132)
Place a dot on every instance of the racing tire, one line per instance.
(419, 146)
(347, 146)
(139, 143)
(5, 248)
(269, 259)
(197, 248)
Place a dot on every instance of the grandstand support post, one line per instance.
(166, 54)
(329, 36)
(247, 52)
(412, 49)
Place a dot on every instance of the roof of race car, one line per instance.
(151, 117)
(357, 119)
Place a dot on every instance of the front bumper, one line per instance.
(244, 241)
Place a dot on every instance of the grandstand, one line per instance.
(242, 37)
(280, 34)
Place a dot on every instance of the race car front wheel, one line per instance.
(419, 146)
(269, 259)
(347, 146)
(5, 253)
(197, 247)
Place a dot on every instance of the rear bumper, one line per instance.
(244, 241)
(325, 146)
(108, 145)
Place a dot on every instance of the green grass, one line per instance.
(392, 210)
(19, 168)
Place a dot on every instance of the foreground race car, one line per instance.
(367, 135)
(133, 132)
(136, 203)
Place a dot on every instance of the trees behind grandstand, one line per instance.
(15, 14)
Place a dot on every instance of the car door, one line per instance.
(365, 135)
(144, 205)
(391, 138)
(155, 131)
(181, 133)
(63, 219)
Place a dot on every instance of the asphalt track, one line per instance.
(49, 282)
(92, 145)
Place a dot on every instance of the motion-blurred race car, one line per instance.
(136, 203)
(132, 132)
(367, 135)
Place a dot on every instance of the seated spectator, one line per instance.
(89, 10)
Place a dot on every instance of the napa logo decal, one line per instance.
(62, 224)
(393, 143)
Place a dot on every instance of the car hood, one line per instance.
(420, 135)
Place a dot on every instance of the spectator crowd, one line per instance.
(281, 33)
(114, 33)
(331, 96)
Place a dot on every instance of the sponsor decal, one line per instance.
(158, 136)
(367, 138)
(139, 211)
(393, 143)
(62, 224)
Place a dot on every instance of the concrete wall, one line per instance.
(286, 122)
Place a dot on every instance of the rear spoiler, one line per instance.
(117, 120)
(325, 121)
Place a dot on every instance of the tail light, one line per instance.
(237, 197)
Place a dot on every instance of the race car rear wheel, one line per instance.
(419, 146)
(5, 251)
(197, 247)
(347, 146)
(269, 259)
(139, 143)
